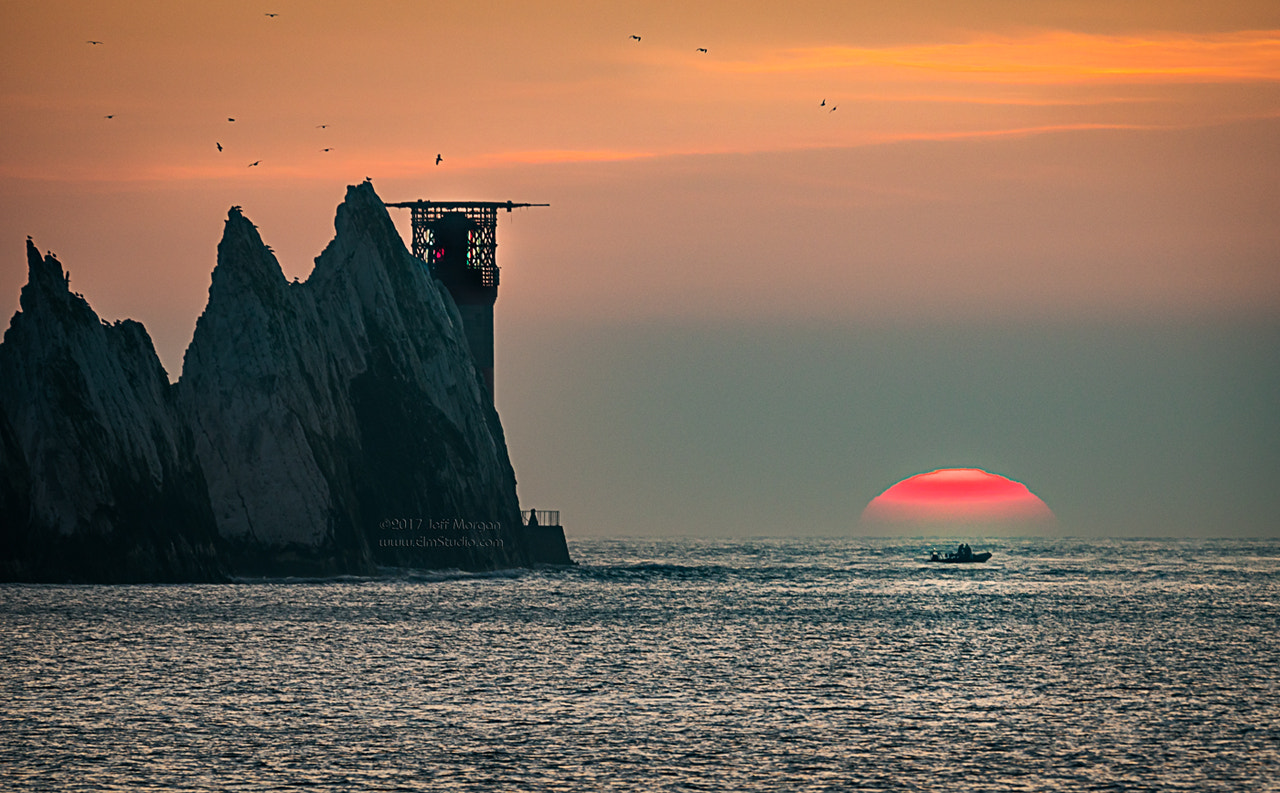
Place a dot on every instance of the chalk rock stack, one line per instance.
(319, 428)
(98, 479)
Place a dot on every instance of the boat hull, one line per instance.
(976, 558)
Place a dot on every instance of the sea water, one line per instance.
(667, 665)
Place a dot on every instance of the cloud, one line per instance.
(1051, 57)
(556, 156)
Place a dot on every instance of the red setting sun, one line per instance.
(958, 495)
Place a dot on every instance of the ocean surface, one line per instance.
(680, 665)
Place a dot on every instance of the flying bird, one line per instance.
(326, 150)
(219, 145)
(833, 109)
(255, 162)
(321, 126)
(702, 49)
(93, 42)
(637, 38)
(271, 15)
(110, 116)
(231, 119)
(823, 103)
(438, 159)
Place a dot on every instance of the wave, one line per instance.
(388, 574)
(644, 570)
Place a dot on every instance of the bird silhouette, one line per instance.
(321, 126)
(326, 150)
(823, 103)
(230, 119)
(271, 15)
(438, 159)
(93, 42)
(702, 49)
(833, 109)
(219, 145)
(637, 38)
(255, 162)
(110, 116)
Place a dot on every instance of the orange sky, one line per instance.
(876, 168)
(976, 160)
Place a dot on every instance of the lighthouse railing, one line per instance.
(546, 517)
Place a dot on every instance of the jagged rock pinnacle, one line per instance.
(308, 418)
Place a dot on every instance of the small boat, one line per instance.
(963, 555)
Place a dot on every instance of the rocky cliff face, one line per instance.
(99, 478)
(323, 427)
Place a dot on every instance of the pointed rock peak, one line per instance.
(237, 223)
(242, 255)
(362, 193)
(363, 211)
(45, 273)
(49, 285)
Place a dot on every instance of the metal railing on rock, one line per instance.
(545, 517)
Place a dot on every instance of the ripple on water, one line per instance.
(665, 665)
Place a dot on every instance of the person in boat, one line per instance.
(934, 558)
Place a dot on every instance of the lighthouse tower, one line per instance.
(458, 242)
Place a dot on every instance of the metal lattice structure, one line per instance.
(482, 235)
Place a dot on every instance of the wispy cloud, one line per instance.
(713, 150)
(1008, 132)
(1052, 57)
(553, 156)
